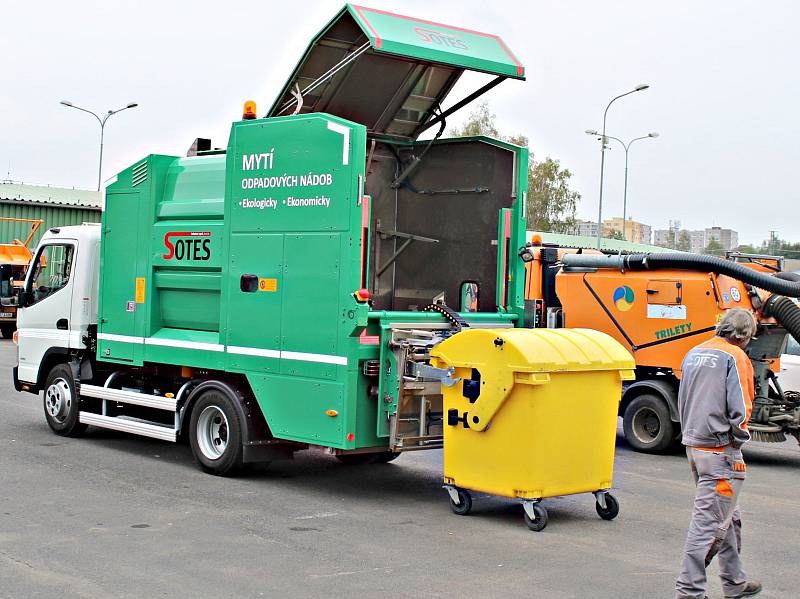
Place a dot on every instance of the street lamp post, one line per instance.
(627, 146)
(638, 88)
(102, 122)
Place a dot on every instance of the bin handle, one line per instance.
(499, 383)
(531, 378)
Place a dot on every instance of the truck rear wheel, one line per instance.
(7, 330)
(61, 403)
(215, 433)
(647, 424)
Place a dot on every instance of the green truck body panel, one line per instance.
(247, 262)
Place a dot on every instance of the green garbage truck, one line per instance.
(286, 291)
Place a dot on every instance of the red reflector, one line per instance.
(362, 295)
(351, 437)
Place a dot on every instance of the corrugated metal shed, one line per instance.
(587, 242)
(57, 206)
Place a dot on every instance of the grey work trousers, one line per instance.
(719, 477)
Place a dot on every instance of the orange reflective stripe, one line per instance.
(711, 449)
(724, 488)
(739, 467)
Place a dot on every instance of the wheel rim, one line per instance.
(58, 400)
(646, 425)
(212, 432)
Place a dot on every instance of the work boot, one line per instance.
(751, 588)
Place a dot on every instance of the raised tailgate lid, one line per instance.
(387, 71)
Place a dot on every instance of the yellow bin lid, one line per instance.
(535, 350)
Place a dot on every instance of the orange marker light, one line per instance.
(249, 112)
(536, 239)
(332, 413)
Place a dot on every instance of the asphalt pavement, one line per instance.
(113, 515)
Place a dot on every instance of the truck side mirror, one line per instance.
(24, 298)
(470, 290)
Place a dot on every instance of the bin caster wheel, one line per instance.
(464, 505)
(611, 510)
(540, 521)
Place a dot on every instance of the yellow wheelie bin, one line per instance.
(533, 415)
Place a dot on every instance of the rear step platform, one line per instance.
(129, 425)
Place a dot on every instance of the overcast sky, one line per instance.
(725, 91)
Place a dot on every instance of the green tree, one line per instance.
(684, 243)
(481, 121)
(615, 234)
(551, 202)
(713, 247)
(748, 249)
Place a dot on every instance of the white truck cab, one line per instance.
(58, 303)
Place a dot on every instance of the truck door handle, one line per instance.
(62, 324)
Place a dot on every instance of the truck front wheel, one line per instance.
(647, 424)
(215, 433)
(61, 403)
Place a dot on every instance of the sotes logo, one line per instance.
(440, 38)
(623, 298)
(187, 245)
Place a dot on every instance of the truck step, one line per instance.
(165, 433)
(132, 397)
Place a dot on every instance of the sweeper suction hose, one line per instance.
(786, 312)
(777, 285)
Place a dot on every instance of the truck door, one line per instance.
(43, 324)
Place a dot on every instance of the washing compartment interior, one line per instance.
(434, 232)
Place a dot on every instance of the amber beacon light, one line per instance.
(249, 112)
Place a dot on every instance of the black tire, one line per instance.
(61, 403)
(215, 433)
(540, 523)
(362, 459)
(356, 459)
(464, 505)
(611, 510)
(7, 330)
(386, 457)
(647, 424)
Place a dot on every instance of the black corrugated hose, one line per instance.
(779, 285)
(786, 312)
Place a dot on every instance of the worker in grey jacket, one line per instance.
(715, 402)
